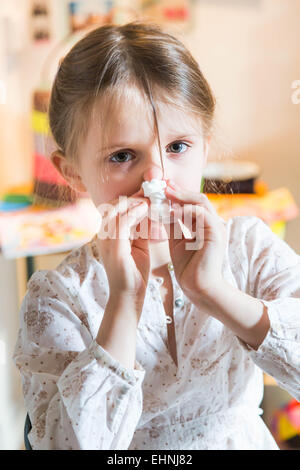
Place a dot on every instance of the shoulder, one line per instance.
(249, 235)
(242, 226)
(251, 238)
(72, 294)
(258, 256)
(246, 236)
(256, 237)
(80, 266)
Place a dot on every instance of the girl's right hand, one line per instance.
(126, 260)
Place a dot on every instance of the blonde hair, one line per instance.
(112, 58)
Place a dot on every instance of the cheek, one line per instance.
(193, 176)
(101, 188)
(189, 180)
(103, 195)
(188, 175)
(99, 192)
(106, 192)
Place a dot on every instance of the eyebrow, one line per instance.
(121, 144)
(125, 144)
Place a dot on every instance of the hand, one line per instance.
(198, 271)
(126, 260)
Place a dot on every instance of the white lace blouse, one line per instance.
(79, 397)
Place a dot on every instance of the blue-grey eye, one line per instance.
(121, 157)
(177, 147)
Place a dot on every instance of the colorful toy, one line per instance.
(286, 424)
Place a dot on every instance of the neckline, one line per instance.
(153, 279)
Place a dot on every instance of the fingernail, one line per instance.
(137, 203)
(171, 184)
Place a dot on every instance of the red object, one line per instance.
(179, 13)
(45, 171)
(293, 410)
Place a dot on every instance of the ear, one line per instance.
(68, 171)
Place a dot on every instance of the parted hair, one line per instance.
(111, 58)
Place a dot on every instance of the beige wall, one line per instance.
(251, 55)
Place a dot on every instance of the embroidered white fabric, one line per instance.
(79, 397)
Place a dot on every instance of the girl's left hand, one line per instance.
(199, 270)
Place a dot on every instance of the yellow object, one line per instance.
(25, 188)
(260, 187)
(274, 206)
(279, 228)
(268, 380)
(285, 429)
(39, 122)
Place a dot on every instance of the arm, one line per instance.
(246, 316)
(121, 315)
(269, 274)
(76, 393)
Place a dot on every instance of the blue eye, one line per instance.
(177, 147)
(125, 156)
(121, 157)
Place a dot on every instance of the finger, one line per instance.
(196, 227)
(116, 207)
(129, 221)
(187, 217)
(114, 220)
(138, 193)
(185, 211)
(177, 229)
(182, 196)
(121, 205)
(189, 197)
(205, 226)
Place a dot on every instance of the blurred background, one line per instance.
(249, 51)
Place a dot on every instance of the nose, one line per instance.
(154, 166)
(153, 171)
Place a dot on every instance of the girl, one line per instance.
(139, 342)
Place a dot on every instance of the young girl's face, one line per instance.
(130, 152)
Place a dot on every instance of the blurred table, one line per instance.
(274, 207)
(32, 231)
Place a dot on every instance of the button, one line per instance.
(127, 375)
(168, 319)
(160, 280)
(170, 267)
(98, 354)
(178, 302)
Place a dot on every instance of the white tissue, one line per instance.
(160, 207)
(154, 189)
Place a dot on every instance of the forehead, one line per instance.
(129, 111)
